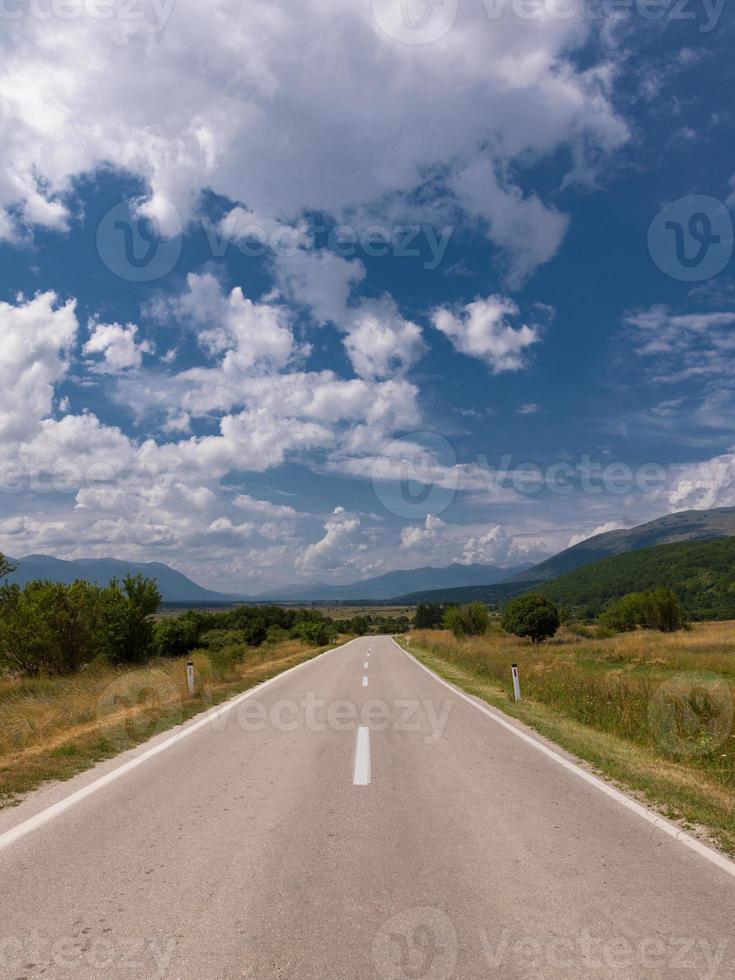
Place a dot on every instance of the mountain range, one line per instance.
(689, 525)
(453, 583)
(176, 587)
(173, 585)
(394, 583)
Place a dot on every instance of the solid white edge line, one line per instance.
(722, 862)
(361, 776)
(55, 810)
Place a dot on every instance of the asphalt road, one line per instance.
(331, 827)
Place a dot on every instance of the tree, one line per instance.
(175, 636)
(531, 616)
(128, 624)
(49, 627)
(255, 629)
(471, 620)
(359, 625)
(622, 615)
(6, 567)
(429, 616)
(658, 609)
(316, 632)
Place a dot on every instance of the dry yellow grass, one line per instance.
(54, 727)
(652, 711)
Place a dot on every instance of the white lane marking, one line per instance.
(364, 682)
(361, 776)
(649, 815)
(55, 810)
(365, 665)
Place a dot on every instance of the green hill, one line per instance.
(686, 525)
(701, 573)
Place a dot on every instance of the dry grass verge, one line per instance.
(652, 712)
(53, 728)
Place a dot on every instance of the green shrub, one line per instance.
(276, 634)
(622, 615)
(49, 627)
(225, 659)
(216, 639)
(255, 631)
(658, 609)
(316, 633)
(531, 616)
(470, 620)
(429, 616)
(127, 611)
(358, 625)
(175, 636)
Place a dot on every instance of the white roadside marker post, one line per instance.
(190, 678)
(516, 682)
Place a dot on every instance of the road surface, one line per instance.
(352, 819)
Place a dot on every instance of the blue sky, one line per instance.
(332, 289)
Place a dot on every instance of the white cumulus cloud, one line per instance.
(118, 346)
(37, 337)
(481, 330)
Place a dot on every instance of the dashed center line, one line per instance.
(364, 682)
(365, 665)
(362, 757)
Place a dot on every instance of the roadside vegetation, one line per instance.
(54, 727)
(87, 672)
(651, 709)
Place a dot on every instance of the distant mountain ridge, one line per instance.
(683, 526)
(453, 583)
(174, 586)
(491, 594)
(390, 584)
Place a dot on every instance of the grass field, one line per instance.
(55, 727)
(652, 711)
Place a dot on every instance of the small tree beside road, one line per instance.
(531, 616)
